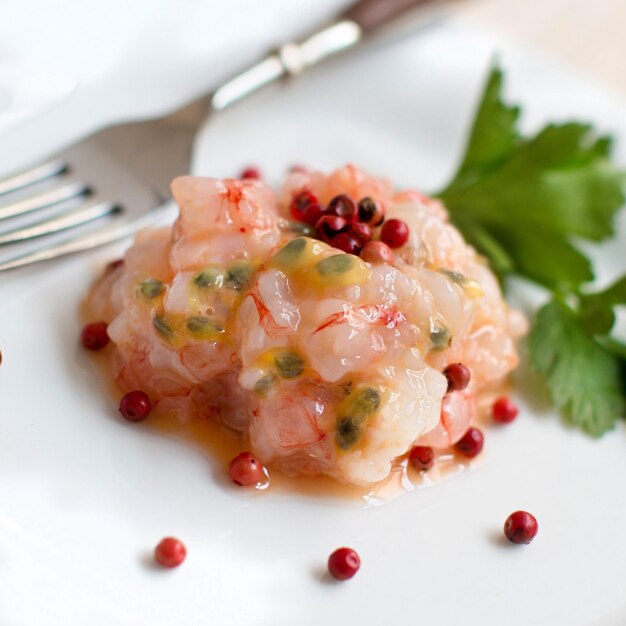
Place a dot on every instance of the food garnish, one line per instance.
(395, 233)
(458, 376)
(135, 406)
(471, 444)
(343, 563)
(523, 201)
(520, 527)
(250, 172)
(94, 336)
(246, 470)
(170, 552)
(422, 457)
(504, 410)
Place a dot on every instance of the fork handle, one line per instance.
(362, 18)
(371, 14)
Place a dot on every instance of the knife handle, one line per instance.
(371, 14)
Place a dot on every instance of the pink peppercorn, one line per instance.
(343, 206)
(135, 406)
(94, 336)
(246, 470)
(504, 410)
(329, 226)
(251, 172)
(170, 552)
(377, 252)
(422, 457)
(344, 563)
(306, 208)
(458, 376)
(371, 212)
(520, 527)
(347, 243)
(361, 231)
(395, 233)
(471, 444)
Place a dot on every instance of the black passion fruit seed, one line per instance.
(151, 288)
(208, 277)
(440, 337)
(203, 327)
(291, 252)
(238, 275)
(361, 406)
(348, 432)
(289, 364)
(264, 384)
(162, 326)
(335, 265)
(365, 403)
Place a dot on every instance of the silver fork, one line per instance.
(124, 172)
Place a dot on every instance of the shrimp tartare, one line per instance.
(329, 360)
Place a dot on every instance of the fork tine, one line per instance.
(58, 223)
(91, 240)
(32, 176)
(45, 199)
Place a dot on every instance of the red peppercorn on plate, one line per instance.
(90, 494)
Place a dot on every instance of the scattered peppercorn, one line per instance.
(471, 444)
(377, 252)
(305, 207)
(371, 212)
(246, 470)
(135, 406)
(395, 233)
(343, 206)
(347, 243)
(329, 226)
(361, 231)
(343, 563)
(520, 527)
(251, 172)
(504, 410)
(458, 376)
(422, 457)
(94, 336)
(170, 552)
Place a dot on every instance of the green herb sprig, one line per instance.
(521, 201)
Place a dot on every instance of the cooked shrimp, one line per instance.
(236, 217)
(457, 412)
(327, 363)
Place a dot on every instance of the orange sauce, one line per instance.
(218, 442)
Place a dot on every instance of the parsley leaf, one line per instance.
(520, 201)
(597, 309)
(584, 379)
(494, 134)
(525, 192)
